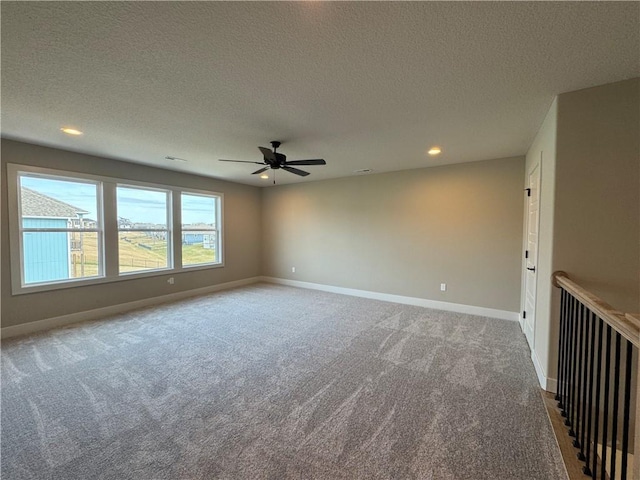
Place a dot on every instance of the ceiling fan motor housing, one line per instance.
(276, 162)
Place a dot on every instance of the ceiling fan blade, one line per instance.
(314, 161)
(302, 173)
(240, 161)
(268, 154)
(260, 171)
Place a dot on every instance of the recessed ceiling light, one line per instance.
(264, 176)
(434, 151)
(71, 131)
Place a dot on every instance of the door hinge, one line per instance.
(526, 254)
(524, 314)
(528, 190)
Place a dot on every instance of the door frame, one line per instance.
(534, 261)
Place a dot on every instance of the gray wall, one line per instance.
(242, 233)
(404, 232)
(597, 200)
(590, 215)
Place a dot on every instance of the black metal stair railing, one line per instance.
(595, 363)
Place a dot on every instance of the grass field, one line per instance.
(196, 254)
(137, 251)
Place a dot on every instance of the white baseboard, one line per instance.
(48, 323)
(548, 384)
(387, 297)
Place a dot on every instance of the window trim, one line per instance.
(108, 212)
(217, 230)
(21, 229)
(169, 194)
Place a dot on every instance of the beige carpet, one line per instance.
(272, 382)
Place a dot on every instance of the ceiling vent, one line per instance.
(364, 171)
(175, 159)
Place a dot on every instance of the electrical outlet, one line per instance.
(443, 287)
(293, 269)
(170, 281)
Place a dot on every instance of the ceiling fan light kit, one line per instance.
(275, 161)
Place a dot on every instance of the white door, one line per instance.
(531, 254)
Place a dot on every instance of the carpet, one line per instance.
(274, 382)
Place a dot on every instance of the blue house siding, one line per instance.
(191, 238)
(207, 239)
(46, 254)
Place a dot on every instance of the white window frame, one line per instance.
(168, 229)
(109, 224)
(217, 229)
(99, 230)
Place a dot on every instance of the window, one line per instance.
(70, 229)
(200, 239)
(60, 229)
(144, 236)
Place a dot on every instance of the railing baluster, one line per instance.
(596, 423)
(625, 415)
(605, 412)
(592, 328)
(616, 398)
(590, 363)
(579, 393)
(567, 377)
(572, 377)
(585, 340)
(567, 353)
(563, 301)
(567, 363)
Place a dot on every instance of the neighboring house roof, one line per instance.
(150, 226)
(36, 204)
(198, 226)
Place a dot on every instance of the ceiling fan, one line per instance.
(274, 160)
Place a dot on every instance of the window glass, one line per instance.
(199, 229)
(143, 233)
(60, 229)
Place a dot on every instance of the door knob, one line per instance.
(533, 269)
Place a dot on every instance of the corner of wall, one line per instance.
(543, 151)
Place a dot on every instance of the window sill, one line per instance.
(62, 285)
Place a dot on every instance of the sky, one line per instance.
(137, 205)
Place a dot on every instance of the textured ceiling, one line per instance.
(363, 85)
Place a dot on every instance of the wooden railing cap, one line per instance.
(626, 325)
(556, 274)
